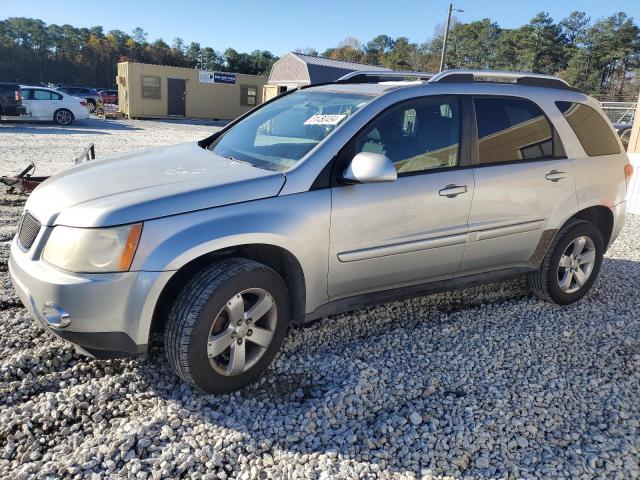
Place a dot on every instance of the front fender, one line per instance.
(297, 223)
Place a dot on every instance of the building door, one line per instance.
(177, 93)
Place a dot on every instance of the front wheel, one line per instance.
(571, 264)
(227, 325)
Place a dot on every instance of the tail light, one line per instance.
(83, 103)
(628, 172)
(18, 96)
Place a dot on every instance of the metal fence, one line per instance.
(621, 110)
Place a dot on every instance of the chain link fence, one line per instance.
(619, 112)
(619, 108)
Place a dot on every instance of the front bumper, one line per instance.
(109, 314)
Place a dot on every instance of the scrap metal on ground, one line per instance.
(25, 181)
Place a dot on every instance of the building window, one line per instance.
(150, 87)
(249, 95)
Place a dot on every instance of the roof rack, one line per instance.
(375, 76)
(520, 78)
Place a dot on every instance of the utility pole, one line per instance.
(446, 35)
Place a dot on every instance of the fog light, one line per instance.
(55, 316)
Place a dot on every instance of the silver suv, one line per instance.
(323, 200)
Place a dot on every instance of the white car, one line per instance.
(47, 104)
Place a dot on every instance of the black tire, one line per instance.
(91, 105)
(63, 117)
(545, 281)
(198, 306)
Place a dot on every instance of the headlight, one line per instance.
(93, 250)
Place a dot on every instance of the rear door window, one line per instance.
(591, 128)
(41, 95)
(512, 129)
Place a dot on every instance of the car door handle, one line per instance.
(453, 190)
(555, 175)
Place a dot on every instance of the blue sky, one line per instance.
(284, 25)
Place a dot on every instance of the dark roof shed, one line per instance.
(300, 69)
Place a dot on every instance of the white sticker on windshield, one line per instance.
(325, 119)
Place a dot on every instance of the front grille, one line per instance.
(29, 228)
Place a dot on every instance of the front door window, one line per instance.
(416, 136)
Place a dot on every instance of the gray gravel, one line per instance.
(52, 148)
(483, 382)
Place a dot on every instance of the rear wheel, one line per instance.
(63, 117)
(227, 325)
(571, 264)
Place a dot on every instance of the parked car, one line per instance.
(323, 200)
(624, 132)
(47, 104)
(10, 100)
(109, 96)
(91, 95)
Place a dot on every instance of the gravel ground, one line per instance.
(483, 382)
(53, 148)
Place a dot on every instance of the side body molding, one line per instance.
(404, 247)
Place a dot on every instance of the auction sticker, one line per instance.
(325, 119)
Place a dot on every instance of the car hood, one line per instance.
(147, 184)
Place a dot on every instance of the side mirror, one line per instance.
(369, 167)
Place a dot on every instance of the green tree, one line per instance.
(402, 56)
(610, 54)
(178, 45)
(574, 28)
(212, 60)
(548, 44)
(193, 54)
(375, 50)
(474, 44)
(139, 35)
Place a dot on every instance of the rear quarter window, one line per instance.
(591, 128)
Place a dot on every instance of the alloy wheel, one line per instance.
(63, 117)
(242, 331)
(576, 264)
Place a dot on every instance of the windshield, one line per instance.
(278, 135)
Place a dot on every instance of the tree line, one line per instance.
(597, 56)
(600, 57)
(32, 51)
